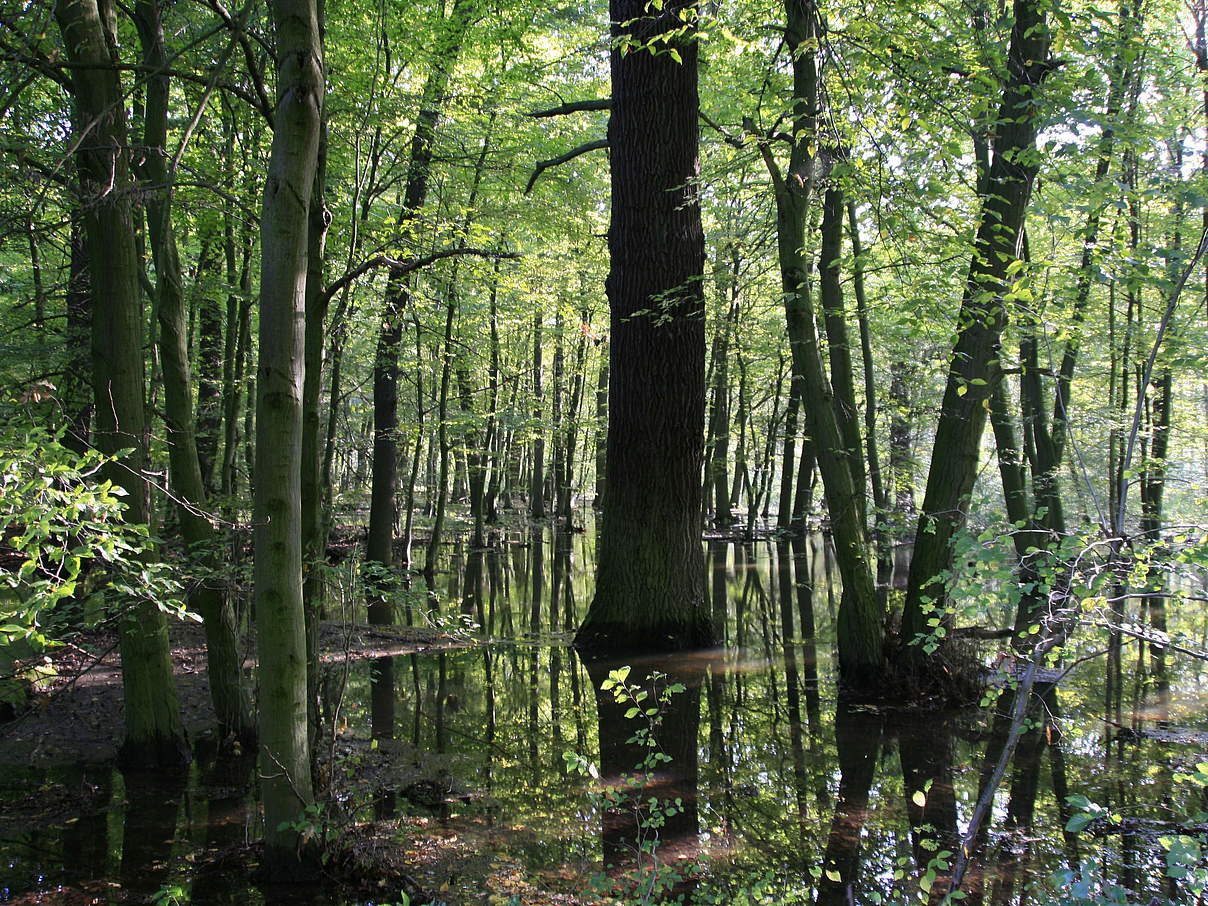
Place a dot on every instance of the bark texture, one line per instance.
(153, 733)
(285, 784)
(650, 575)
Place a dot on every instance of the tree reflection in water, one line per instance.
(651, 831)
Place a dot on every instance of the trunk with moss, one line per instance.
(153, 731)
(860, 617)
(650, 570)
(975, 367)
(207, 596)
(285, 780)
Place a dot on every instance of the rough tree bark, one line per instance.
(650, 574)
(153, 732)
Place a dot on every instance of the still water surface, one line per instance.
(772, 790)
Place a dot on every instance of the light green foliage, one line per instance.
(648, 700)
(76, 561)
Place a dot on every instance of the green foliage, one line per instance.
(74, 561)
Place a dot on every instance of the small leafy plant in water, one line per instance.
(649, 880)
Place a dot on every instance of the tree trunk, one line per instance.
(207, 596)
(860, 620)
(153, 731)
(537, 465)
(650, 572)
(380, 543)
(285, 784)
(975, 365)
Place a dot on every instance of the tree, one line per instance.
(975, 369)
(153, 732)
(650, 572)
(285, 785)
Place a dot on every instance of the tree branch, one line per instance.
(407, 265)
(572, 107)
(543, 165)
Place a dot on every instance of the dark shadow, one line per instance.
(858, 741)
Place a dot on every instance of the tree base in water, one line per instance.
(164, 751)
(600, 639)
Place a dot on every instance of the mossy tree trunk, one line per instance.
(975, 367)
(860, 617)
(207, 596)
(153, 732)
(285, 780)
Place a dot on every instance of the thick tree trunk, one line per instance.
(975, 365)
(650, 572)
(285, 784)
(153, 732)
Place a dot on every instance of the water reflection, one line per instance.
(781, 784)
(648, 767)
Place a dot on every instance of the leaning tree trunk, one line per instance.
(153, 732)
(207, 596)
(859, 625)
(975, 366)
(650, 573)
(285, 784)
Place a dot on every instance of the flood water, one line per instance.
(767, 788)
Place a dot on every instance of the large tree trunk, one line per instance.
(285, 784)
(153, 732)
(650, 572)
(975, 366)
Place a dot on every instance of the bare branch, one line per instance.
(401, 267)
(543, 165)
(572, 107)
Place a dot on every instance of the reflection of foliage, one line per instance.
(647, 703)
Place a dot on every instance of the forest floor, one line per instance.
(76, 716)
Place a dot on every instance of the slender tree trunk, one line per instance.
(210, 363)
(537, 465)
(442, 434)
(601, 428)
(153, 731)
(207, 596)
(901, 470)
(285, 784)
(860, 620)
(380, 542)
(77, 391)
(881, 534)
(788, 466)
